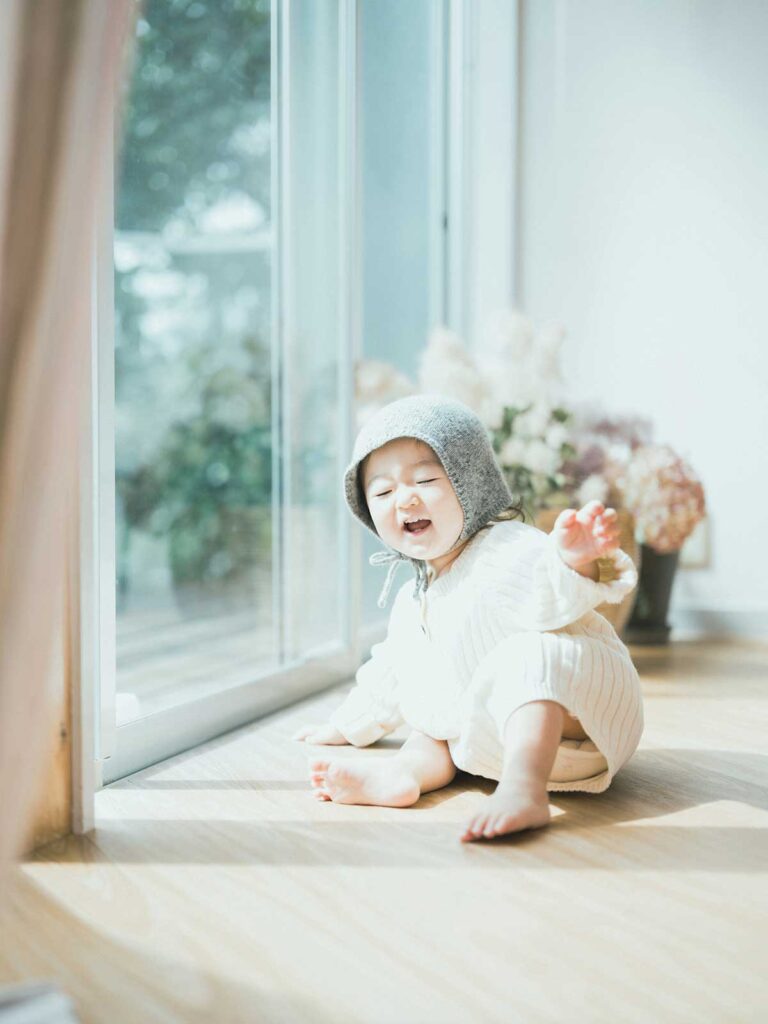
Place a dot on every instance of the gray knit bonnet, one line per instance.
(461, 442)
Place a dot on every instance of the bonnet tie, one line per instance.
(394, 558)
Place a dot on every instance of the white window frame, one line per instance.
(482, 173)
(97, 760)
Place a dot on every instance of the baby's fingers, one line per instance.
(607, 524)
(566, 519)
(590, 512)
(304, 732)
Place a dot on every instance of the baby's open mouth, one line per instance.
(419, 526)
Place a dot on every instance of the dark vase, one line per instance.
(648, 622)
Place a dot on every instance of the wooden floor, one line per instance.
(215, 888)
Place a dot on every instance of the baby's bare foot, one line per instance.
(513, 807)
(381, 782)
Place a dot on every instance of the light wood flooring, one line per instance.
(216, 889)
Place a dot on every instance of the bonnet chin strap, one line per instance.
(394, 558)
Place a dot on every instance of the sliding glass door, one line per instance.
(278, 216)
(193, 342)
(225, 355)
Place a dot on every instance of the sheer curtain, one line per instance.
(61, 63)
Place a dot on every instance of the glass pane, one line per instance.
(193, 378)
(316, 567)
(398, 83)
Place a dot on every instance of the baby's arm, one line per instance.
(370, 710)
(545, 581)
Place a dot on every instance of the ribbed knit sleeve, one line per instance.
(540, 591)
(371, 709)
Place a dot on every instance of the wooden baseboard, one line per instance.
(52, 818)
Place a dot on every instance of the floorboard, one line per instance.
(215, 887)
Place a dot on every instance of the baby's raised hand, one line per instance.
(320, 734)
(590, 533)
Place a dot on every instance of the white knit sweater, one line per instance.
(509, 622)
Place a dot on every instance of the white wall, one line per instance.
(643, 228)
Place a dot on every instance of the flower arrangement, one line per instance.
(604, 447)
(532, 444)
(664, 495)
(553, 456)
(617, 462)
(514, 386)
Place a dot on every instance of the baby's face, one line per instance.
(404, 480)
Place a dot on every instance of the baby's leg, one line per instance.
(532, 735)
(573, 729)
(421, 765)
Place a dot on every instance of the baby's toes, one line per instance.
(318, 773)
(475, 827)
(318, 776)
(493, 826)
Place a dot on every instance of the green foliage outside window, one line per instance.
(192, 289)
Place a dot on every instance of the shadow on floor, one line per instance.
(655, 784)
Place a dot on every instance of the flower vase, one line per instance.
(617, 614)
(648, 624)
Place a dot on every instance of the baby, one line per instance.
(496, 658)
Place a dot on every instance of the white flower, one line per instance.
(376, 385)
(370, 375)
(504, 356)
(520, 366)
(491, 411)
(507, 335)
(546, 367)
(540, 458)
(540, 483)
(446, 368)
(508, 384)
(594, 488)
(535, 422)
(505, 386)
(550, 338)
(374, 378)
(443, 343)
(619, 451)
(513, 452)
(556, 435)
